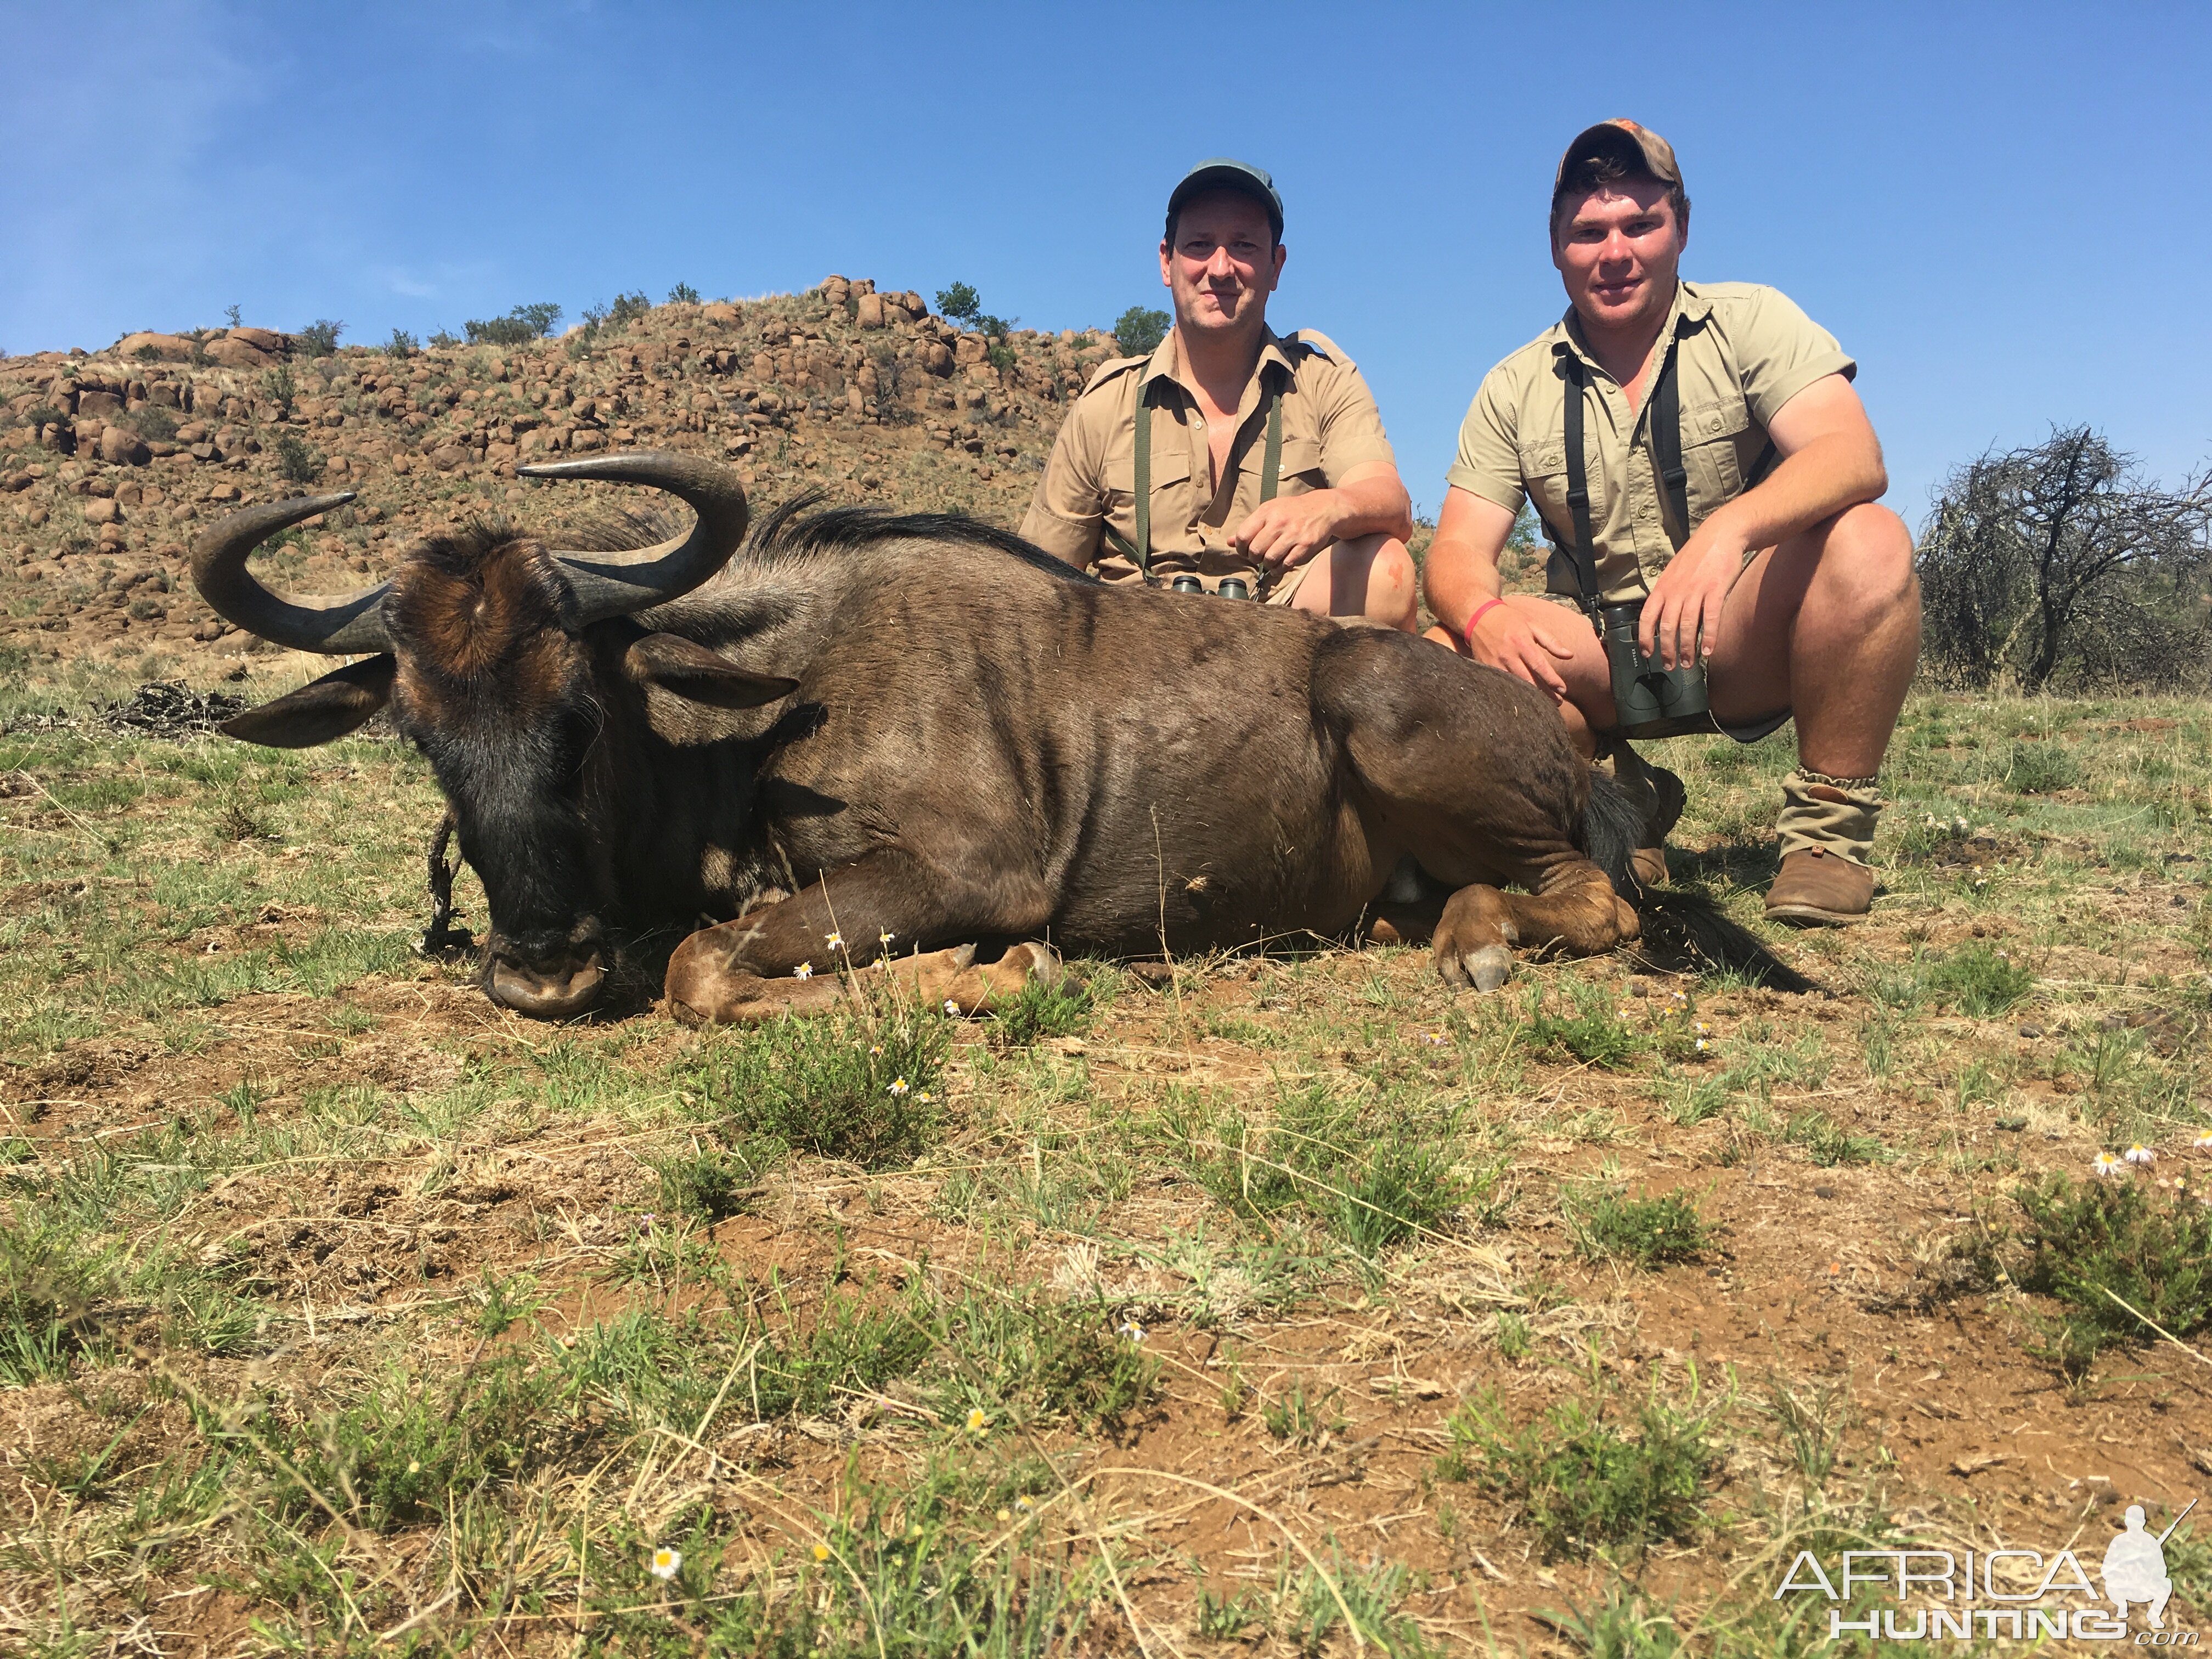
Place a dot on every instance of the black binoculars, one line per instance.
(1232, 587)
(1648, 701)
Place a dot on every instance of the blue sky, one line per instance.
(1990, 205)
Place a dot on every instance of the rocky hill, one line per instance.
(110, 460)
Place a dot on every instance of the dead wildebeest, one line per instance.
(918, 733)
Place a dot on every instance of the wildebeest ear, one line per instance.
(319, 710)
(690, 670)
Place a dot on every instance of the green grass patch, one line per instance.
(2119, 1257)
(1607, 1224)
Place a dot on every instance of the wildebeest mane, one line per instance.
(785, 534)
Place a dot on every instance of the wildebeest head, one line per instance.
(488, 647)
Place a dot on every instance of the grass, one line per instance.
(2125, 1263)
(1590, 1475)
(324, 1284)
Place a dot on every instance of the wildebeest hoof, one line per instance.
(1490, 967)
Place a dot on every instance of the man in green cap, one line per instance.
(1746, 525)
(1261, 461)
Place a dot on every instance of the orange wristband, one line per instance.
(1480, 611)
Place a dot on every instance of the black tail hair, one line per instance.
(1677, 921)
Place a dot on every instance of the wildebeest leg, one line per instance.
(1471, 771)
(1576, 911)
(725, 972)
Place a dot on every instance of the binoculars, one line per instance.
(1232, 587)
(1648, 701)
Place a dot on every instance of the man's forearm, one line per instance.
(1372, 507)
(1832, 472)
(1459, 579)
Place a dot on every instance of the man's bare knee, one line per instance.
(1866, 561)
(1393, 587)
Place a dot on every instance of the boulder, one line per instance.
(238, 354)
(970, 349)
(446, 456)
(168, 348)
(100, 403)
(871, 313)
(721, 312)
(935, 359)
(587, 438)
(99, 511)
(263, 339)
(121, 446)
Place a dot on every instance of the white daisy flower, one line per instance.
(885, 938)
(2140, 1153)
(2204, 1141)
(897, 1086)
(951, 1007)
(804, 970)
(1131, 1329)
(666, 1562)
(2106, 1166)
(835, 941)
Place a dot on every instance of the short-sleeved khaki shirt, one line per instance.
(1330, 425)
(1743, 350)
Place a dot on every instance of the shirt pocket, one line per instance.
(1299, 471)
(1544, 476)
(1171, 471)
(1720, 443)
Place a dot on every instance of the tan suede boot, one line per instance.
(1816, 887)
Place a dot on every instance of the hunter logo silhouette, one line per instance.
(2134, 1567)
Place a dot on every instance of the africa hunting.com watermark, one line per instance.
(1955, 1584)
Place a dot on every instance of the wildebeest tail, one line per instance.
(1612, 825)
(1677, 921)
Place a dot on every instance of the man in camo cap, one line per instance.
(1259, 461)
(1753, 542)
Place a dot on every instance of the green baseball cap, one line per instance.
(1635, 145)
(1225, 172)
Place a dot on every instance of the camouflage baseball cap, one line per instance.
(1642, 149)
(1222, 172)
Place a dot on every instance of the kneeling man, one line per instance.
(1232, 453)
(1747, 528)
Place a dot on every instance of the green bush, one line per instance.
(1604, 1221)
(960, 302)
(2093, 1246)
(1589, 1026)
(298, 463)
(320, 338)
(1979, 980)
(518, 327)
(1139, 331)
(402, 344)
(2040, 768)
(1585, 1481)
(684, 295)
(861, 1086)
(1039, 1010)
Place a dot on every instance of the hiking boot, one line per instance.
(1817, 888)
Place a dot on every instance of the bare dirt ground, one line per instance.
(1280, 1304)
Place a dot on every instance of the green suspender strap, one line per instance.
(1270, 469)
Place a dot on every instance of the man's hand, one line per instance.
(1291, 529)
(1682, 617)
(1830, 460)
(1508, 637)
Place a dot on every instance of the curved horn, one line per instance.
(615, 584)
(338, 626)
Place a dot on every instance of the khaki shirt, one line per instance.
(1744, 350)
(1330, 425)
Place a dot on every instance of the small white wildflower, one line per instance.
(414, 1465)
(885, 938)
(2204, 1141)
(897, 1086)
(666, 1562)
(835, 941)
(804, 970)
(951, 1007)
(925, 1097)
(978, 1423)
(2106, 1166)
(1025, 1505)
(1701, 1045)
(876, 1049)
(2140, 1153)
(1131, 1329)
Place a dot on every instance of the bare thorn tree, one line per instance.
(2059, 565)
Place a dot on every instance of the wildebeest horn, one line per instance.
(342, 626)
(615, 584)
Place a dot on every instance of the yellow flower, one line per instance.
(666, 1562)
(822, 1552)
(1004, 1515)
(976, 1421)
